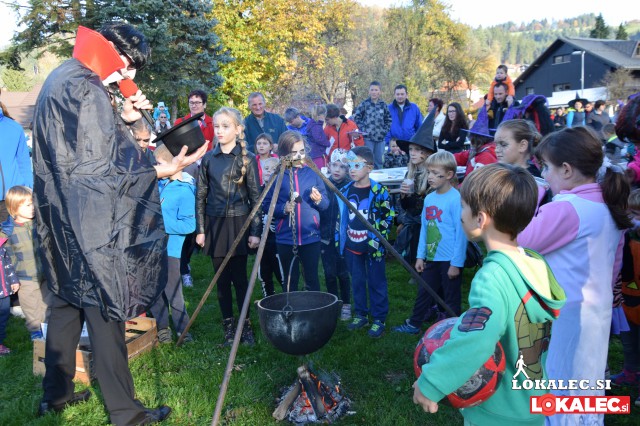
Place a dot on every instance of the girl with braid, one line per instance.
(228, 188)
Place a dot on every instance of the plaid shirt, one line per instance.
(22, 246)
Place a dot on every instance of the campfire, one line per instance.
(312, 400)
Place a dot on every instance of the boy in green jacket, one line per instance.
(513, 299)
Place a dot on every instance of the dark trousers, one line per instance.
(4, 213)
(335, 270)
(309, 255)
(435, 275)
(171, 297)
(269, 266)
(630, 347)
(5, 313)
(368, 275)
(110, 360)
(188, 246)
(235, 272)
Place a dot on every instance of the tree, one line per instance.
(16, 80)
(601, 29)
(622, 34)
(620, 84)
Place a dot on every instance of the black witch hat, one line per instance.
(424, 135)
(583, 101)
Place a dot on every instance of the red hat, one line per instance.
(96, 53)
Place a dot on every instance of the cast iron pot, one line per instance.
(188, 133)
(302, 324)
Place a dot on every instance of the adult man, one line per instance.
(598, 118)
(373, 118)
(15, 164)
(406, 117)
(261, 121)
(197, 104)
(499, 106)
(296, 121)
(103, 246)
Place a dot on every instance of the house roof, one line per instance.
(21, 104)
(617, 53)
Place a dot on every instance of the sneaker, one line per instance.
(247, 336)
(626, 378)
(36, 335)
(412, 281)
(376, 329)
(406, 328)
(345, 315)
(164, 335)
(187, 281)
(187, 338)
(358, 322)
(229, 331)
(4, 350)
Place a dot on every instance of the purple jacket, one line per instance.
(317, 139)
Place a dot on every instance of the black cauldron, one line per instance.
(187, 133)
(299, 322)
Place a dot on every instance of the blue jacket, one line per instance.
(405, 123)
(15, 162)
(178, 200)
(302, 129)
(306, 213)
(381, 215)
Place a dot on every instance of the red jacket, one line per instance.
(341, 137)
(207, 128)
(485, 155)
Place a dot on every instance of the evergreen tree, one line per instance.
(622, 34)
(601, 29)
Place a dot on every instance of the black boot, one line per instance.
(228, 325)
(247, 334)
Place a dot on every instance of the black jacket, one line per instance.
(98, 211)
(219, 195)
(329, 217)
(497, 112)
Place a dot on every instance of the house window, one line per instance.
(561, 87)
(530, 91)
(561, 59)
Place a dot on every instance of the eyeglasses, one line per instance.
(195, 103)
(452, 111)
(357, 165)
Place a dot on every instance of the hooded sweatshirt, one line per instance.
(513, 299)
(178, 200)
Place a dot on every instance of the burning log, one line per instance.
(312, 400)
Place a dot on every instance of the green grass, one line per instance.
(376, 374)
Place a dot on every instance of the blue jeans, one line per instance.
(435, 275)
(5, 309)
(335, 270)
(378, 152)
(368, 274)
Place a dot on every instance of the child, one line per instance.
(580, 233)
(363, 253)
(502, 76)
(161, 109)
(514, 143)
(372, 116)
(297, 215)
(269, 263)
(228, 188)
(22, 246)
(614, 148)
(513, 287)
(483, 150)
(316, 138)
(9, 284)
(177, 198)
(335, 268)
(442, 246)
(264, 151)
(394, 157)
(628, 130)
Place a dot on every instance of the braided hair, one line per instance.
(235, 115)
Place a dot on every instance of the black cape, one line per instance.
(97, 203)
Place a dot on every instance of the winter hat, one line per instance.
(161, 104)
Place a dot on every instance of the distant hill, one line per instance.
(522, 43)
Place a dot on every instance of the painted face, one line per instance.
(359, 169)
(143, 138)
(226, 129)
(298, 151)
(508, 149)
(338, 171)
(500, 74)
(26, 211)
(499, 94)
(553, 175)
(437, 177)
(469, 223)
(417, 155)
(374, 92)
(401, 96)
(394, 148)
(263, 147)
(196, 106)
(256, 105)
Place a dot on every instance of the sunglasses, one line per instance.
(357, 165)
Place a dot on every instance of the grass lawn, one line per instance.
(376, 374)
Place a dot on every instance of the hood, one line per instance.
(7, 226)
(542, 294)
